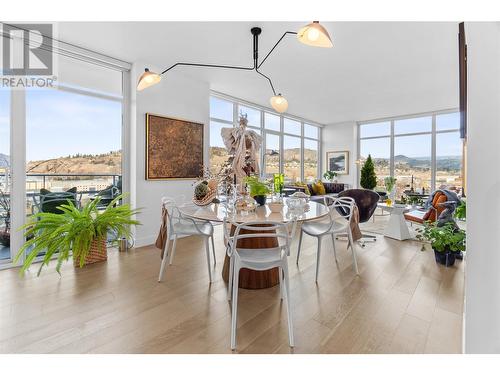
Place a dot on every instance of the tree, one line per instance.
(368, 176)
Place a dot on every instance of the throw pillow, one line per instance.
(304, 187)
(319, 188)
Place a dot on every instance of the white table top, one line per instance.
(217, 212)
(396, 208)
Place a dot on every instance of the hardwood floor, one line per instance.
(402, 302)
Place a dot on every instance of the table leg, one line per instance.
(397, 227)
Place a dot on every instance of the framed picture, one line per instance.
(338, 161)
(174, 148)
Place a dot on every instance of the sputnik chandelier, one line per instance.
(312, 34)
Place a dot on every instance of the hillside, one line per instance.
(109, 163)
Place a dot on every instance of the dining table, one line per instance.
(216, 212)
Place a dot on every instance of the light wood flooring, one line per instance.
(402, 302)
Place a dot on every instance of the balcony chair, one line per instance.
(180, 225)
(48, 201)
(431, 214)
(278, 236)
(334, 226)
(366, 201)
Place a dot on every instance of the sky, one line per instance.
(447, 144)
(60, 123)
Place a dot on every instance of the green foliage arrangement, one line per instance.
(389, 183)
(368, 177)
(329, 175)
(257, 187)
(72, 232)
(444, 238)
(461, 211)
(201, 190)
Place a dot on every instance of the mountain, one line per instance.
(448, 163)
(4, 160)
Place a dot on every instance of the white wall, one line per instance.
(175, 96)
(482, 307)
(341, 137)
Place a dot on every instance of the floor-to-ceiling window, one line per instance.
(423, 152)
(67, 135)
(290, 145)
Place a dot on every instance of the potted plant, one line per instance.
(330, 176)
(447, 240)
(368, 178)
(461, 211)
(258, 189)
(389, 183)
(80, 233)
(5, 216)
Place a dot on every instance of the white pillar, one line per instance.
(482, 279)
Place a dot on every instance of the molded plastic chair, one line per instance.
(366, 201)
(279, 237)
(180, 225)
(333, 226)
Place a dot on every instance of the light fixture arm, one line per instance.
(256, 31)
(278, 42)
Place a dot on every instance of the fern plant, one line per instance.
(72, 232)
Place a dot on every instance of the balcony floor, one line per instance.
(402, 302)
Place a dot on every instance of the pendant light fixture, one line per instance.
(313, 34)
(148, 79)
(279, 103)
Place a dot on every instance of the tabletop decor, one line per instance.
(80, 233)
(243, 146)
(258, 189)
(174, 148)
(205, 192)
(390, 183)
(330, 176)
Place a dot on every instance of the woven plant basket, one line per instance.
(207, 199)
(97, 253)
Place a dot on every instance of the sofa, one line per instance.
(332, 189)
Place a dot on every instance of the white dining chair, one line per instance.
(338, 221)
(259, 260)
(180, 225)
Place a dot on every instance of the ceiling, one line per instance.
(374, 70)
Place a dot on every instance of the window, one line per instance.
(272, 154)
(292, 157)
(5, 221)
(412, 162)
(291, 126)
(293, 150)
(310, 160)
(380, 151)
(217, 151)
(272, 122)
(407, 153)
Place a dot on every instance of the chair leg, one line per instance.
(172, 253)
(280, 270)
(231, 271)
(334, 249)
(354, 260)
(300, 245)
(318, 256)
(213, 249)
(164, 260)
(286, 286)
(207, 250)
(234, 306)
